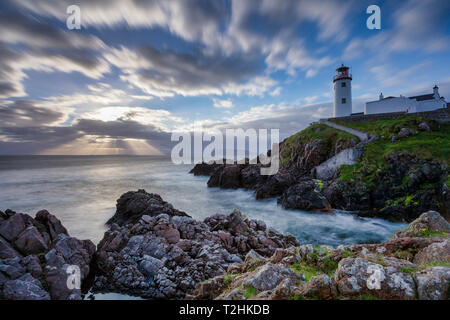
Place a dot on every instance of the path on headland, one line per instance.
(360, 134)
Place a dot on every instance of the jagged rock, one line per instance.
(167, 256)
(6, 250)
(427, 221)
(12, 227)
(30, 241)
(24, 288)
(433, 283)
(304, 196)
(44, 277)
(131, 206)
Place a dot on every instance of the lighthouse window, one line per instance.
(344, 84)
(344, 100)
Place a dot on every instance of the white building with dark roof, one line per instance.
(426, 102)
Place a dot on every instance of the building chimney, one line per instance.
(381, 96)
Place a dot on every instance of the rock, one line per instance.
(52, 224)
(6, 250)
(43, 277)
(275, 185)
(24, 288)
(12, 227)
(304, 196)
(433, 283)
(269, 276)
(150, 265)
(30, 241)
(205, 169)
(168, 256)
(423, 126)
(427, 221)
(131, 206)
(357, 277)
(435, 252)
(319, 287)
(405, 132)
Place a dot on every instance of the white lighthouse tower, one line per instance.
(342, 92)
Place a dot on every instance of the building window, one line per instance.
(344, 100)
(344, 84)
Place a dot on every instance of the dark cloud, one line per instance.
(24, 113)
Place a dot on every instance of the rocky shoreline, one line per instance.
(311, 178)
(155, 251)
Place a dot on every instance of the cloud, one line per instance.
(23, 113)
(165, 73)
(228, 103)
(416, 25)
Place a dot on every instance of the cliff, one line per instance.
(398, 173)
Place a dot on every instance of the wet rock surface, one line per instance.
(35, 255)
(164, 255)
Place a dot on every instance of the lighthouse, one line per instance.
(342, 92)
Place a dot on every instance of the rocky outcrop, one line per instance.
(161, 254)
(37, 255)
(131, 206)
(305, 196)
(404, 268)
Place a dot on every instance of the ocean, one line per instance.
(82, 192)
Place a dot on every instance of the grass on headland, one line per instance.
(425, 145)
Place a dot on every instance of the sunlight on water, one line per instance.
(82, 192)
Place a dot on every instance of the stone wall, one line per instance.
(441, 115)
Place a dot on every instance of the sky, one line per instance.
(139, 70)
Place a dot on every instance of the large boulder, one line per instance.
(357, 277)
(430, 221)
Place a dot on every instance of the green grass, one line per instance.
(250, 292)
(314, 132)
(228, 279)
(432, 233)
(308, 270)
(425, 145)
(407, 270)
(347, 254)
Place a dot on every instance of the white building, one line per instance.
(426, 102)
(342, 92)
